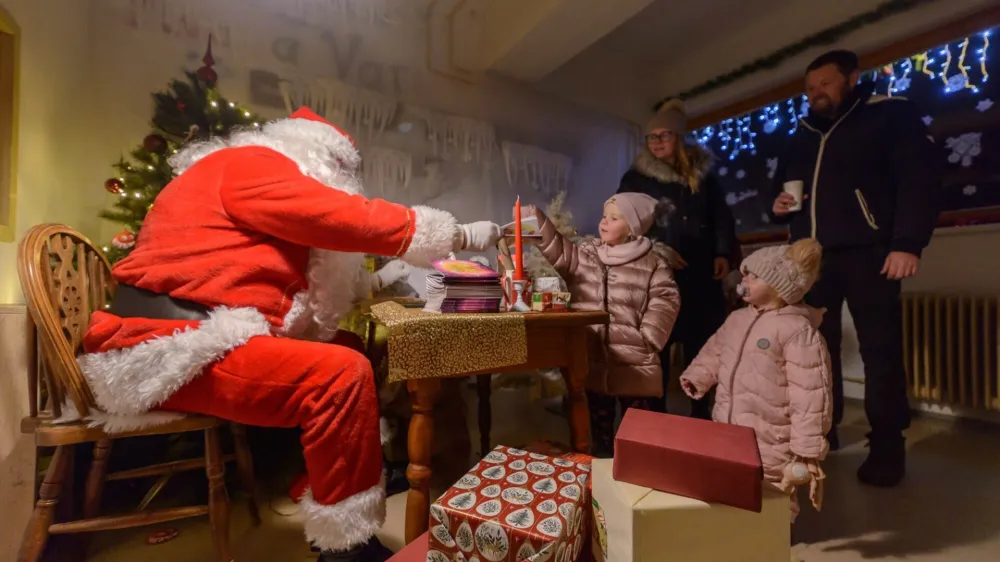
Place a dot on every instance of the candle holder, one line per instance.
(519, 304)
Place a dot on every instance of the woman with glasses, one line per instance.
(694, 220)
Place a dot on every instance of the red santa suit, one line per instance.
(252, 229)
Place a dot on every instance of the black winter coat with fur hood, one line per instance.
(699, 225)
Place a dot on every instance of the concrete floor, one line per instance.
(947, 510)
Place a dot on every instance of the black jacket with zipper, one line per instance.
(873, 176)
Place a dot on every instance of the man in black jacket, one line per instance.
(871, 179)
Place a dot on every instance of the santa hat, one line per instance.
(306, 125)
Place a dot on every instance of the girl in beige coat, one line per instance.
(772, 367)
(623, 274)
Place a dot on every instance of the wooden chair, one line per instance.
(64, 278)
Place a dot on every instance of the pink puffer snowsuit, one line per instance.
(772, 369)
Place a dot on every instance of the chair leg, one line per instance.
(95, 479)
(244, 463)
(36, 534)
(218, 502)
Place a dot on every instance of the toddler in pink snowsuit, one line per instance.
(772, 367)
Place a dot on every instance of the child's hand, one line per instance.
(690, 389)
(816, 483)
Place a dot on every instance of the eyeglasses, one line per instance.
(661, 137)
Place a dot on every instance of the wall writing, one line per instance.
(349, 65)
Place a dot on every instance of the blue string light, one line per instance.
(736, 135)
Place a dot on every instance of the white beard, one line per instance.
(337, 280)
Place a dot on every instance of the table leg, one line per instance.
(484, 386)
(575, 374)
(420, 444)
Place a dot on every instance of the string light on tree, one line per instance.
(188, 110)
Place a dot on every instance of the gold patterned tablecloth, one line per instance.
(426, 345)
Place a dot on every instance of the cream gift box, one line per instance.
(636, 524)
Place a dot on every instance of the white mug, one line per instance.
(795, 188)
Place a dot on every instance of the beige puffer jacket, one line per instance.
(772, 369)
(642, 300)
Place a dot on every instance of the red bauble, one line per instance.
(124, 240)
(208, 75)
(114, 185)
(181, 106)
(154, 143)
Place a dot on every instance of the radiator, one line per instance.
(951, 345)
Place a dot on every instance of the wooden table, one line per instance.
(555, 340)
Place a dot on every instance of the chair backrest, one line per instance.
(64, 278)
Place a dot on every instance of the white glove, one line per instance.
(389, 274)
(478, 236)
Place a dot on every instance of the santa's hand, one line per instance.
(392, 272)
(478, 236)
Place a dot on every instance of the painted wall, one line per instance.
(58, 167)
(260, 44)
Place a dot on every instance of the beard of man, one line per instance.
(829, 109)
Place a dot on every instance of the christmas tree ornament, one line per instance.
(114, 185)
(124, 240)
(154, 143)
(207, 73)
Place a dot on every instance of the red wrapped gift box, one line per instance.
(708, 461)
(513, 506)
(563, 451)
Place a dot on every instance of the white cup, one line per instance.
(795, 188)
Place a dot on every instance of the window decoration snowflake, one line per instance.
(964, 148)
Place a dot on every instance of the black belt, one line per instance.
(133, 302)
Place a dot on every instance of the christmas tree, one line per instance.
(534, 262)
(189, 110)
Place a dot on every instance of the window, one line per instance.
(9, 42)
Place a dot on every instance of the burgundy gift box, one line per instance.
(704, 460)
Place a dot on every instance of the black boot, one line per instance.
(395, 479)
(373, 551)
(833, 439)
(885, 466)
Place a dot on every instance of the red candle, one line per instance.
(519, 257)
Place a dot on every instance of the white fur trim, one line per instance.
(385, 431)
(116, 424)
(313, 158)
(336, 281)
(338, 144)
(296, 321)
(433, 236)
(346, 524)
(131, 381)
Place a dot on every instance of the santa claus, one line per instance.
(242, 271)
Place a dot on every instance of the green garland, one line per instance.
(825, 37)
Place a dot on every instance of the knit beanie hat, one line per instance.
(638, 209)
(670, 116)
(773, 266)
